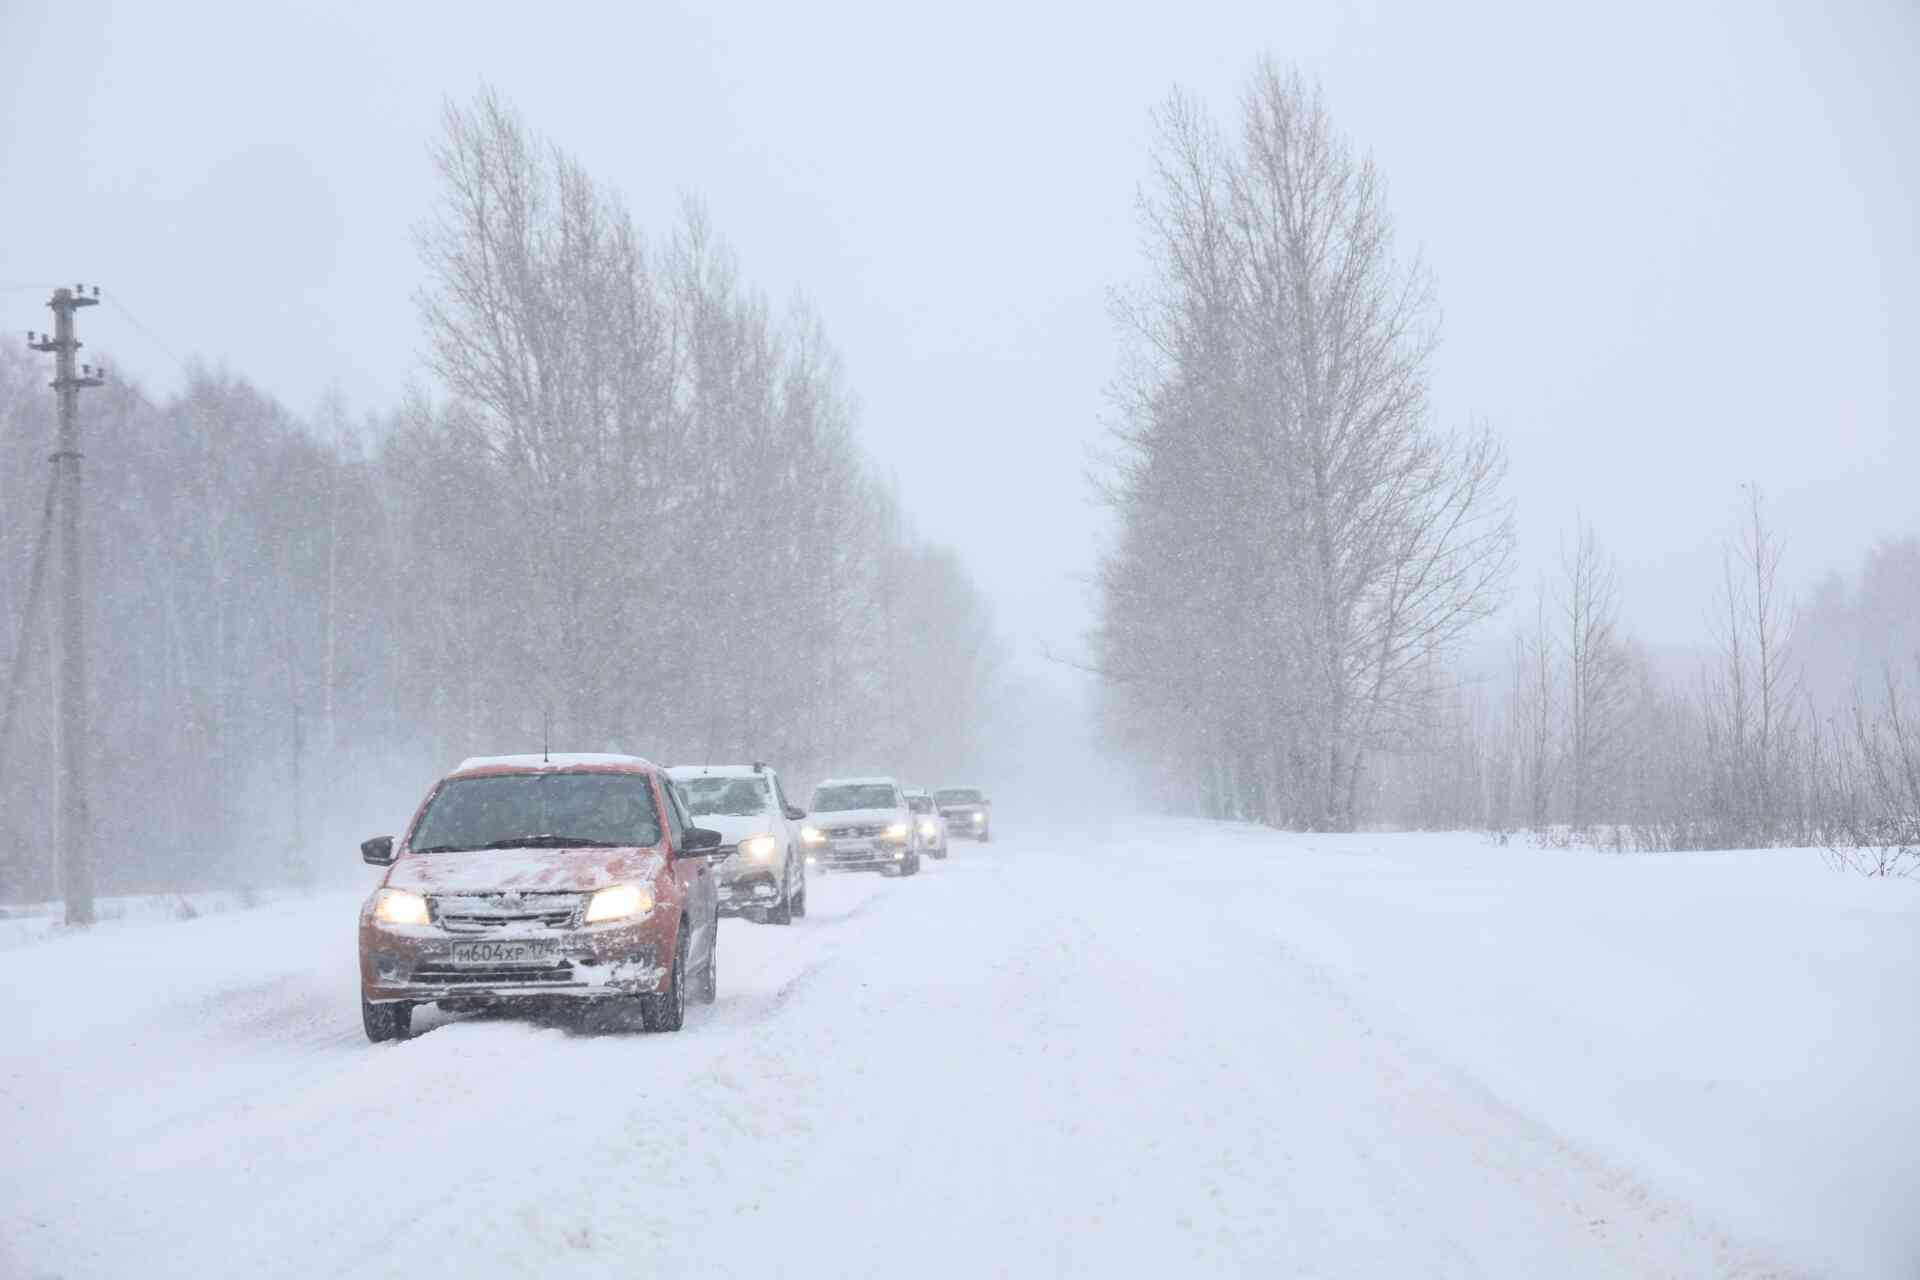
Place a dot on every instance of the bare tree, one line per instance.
(1879, 830)
(1537, 709)
(1752, 695)
(1324, 543)
(1596, 672)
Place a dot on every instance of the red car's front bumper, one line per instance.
(420, 963)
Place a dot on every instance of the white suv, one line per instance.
(765, 874)
(861, 824)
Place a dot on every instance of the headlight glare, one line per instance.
(620, 902)
(397, 906)
(812, 835)
(759, 848)
(898, 831)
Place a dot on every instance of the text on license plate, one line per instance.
(531, 951)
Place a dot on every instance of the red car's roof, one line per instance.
(559, 762)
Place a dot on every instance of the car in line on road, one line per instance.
(929, 828)
(764, 875)
(533, 880)
(861, 824)
(967, 810)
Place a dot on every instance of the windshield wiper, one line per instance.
(550, 841)
(443, 848)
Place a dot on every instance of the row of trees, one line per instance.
(1796, 728)
(1301, 555)
(637, 519)
(1298, 544)
(640, 461)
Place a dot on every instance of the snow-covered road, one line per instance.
(1157, 1046)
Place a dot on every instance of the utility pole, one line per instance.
(76, 829)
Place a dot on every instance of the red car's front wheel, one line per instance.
(668, 1010)
(393, 1021)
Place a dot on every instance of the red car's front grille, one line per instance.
(436, 975)
(484, 913)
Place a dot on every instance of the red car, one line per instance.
(534, 879)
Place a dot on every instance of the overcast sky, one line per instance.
(1677, 246)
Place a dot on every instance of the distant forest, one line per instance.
(634, 516)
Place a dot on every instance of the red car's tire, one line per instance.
(383, 1022)
(668, 1010)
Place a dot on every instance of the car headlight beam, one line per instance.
(759, 848)
(619, 902)
(397, 906)
(812, 835)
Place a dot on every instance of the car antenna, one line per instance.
(546, 732)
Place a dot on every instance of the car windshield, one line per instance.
(958, 795)
(920, 804)
(728, 797)
(539, 809)
(854, 795)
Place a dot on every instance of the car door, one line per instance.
(788, 831)
(694, 876)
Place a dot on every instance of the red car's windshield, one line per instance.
(553, 809)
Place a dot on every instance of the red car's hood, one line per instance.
(528, 870)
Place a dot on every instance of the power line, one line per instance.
(122, 309)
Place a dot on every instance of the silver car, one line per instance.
(764, 876)
(967, 810)
(861, 824)
(929, 825)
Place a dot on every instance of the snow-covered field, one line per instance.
(1104, 1051)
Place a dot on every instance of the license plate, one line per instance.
(852, 846)
(489, 954)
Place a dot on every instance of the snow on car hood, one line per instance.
(733, 828)
(497, 870)
(855, 817)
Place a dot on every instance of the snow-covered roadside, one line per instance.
(1184, 1046)
(41, 921)
(1741, 1030)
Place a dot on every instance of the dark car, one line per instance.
(528, 879)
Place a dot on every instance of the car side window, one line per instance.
(676, 816)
